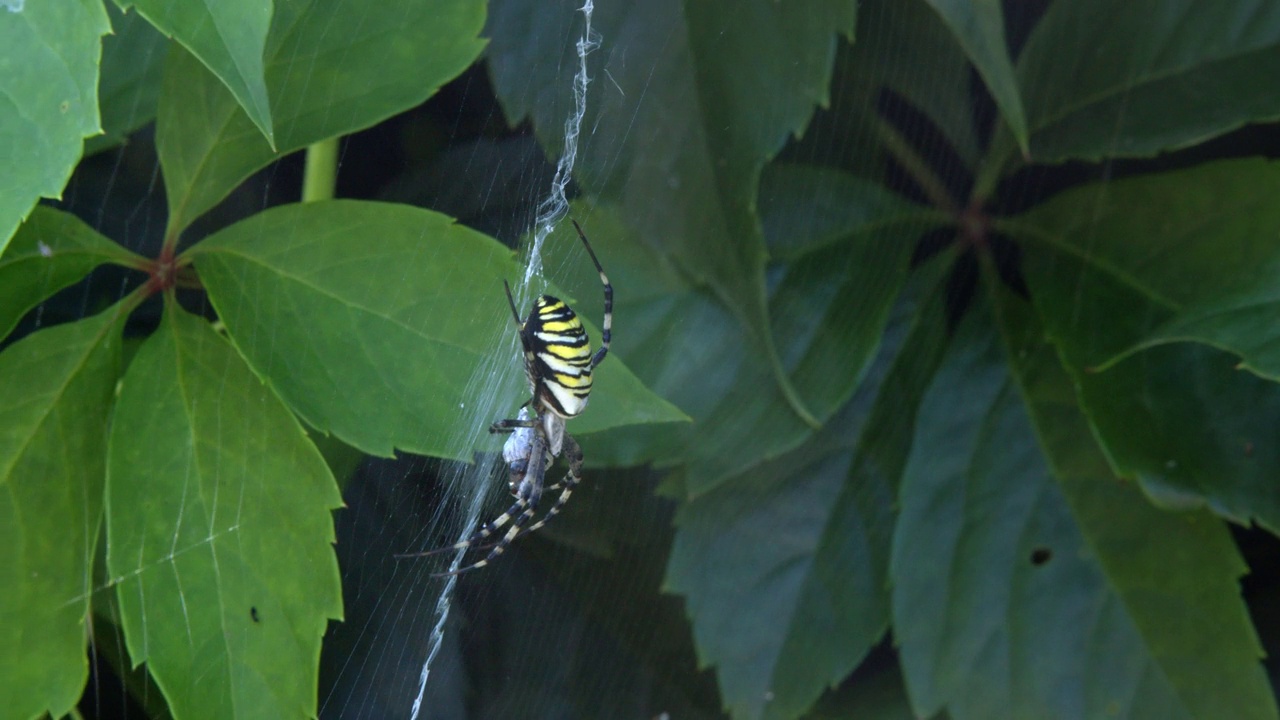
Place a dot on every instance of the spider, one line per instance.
(558, 364)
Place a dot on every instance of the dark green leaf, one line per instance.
(1123, 79)
(881, 696)
(228, 36)
(832, 304)
(904, 46)
(48, 98)
(332, 67)
(1176, 573)
(785, 568)
(219, 530)
(978, 26)
(129, 86)
(691, 131)
(341, 458)
(108, 647)
(1214, 230)
(386, 325)
(804, 208)
(55, 401)
(1109, 268)
(52, 249)
(1034, 586)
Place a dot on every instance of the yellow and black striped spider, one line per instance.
(558, 363)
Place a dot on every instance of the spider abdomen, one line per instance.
(557, 357)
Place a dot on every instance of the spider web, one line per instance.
(407, 645)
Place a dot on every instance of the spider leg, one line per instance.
(479, 535)
(512, 302)
(573, 452)
(517, 515)
(606, 325)
(510, 425)
(571, 480)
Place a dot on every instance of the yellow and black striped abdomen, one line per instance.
(557, 357)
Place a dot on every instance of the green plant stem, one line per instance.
(321, 173)
(917, 168)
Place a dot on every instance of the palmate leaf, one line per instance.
(1029, 582)
(1218, 275)
(904, 46)
(978, 26)
(835, 296)
(784, 568)
(383, 325)
(1111, 269)
(55, 401)
(129, 83)
(228, 37)
(1105, 79)
(219, 530)
(52, 249)
(51, 105)
(681, 109)
(321, 83)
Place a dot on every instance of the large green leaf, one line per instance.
(904, 46)
(882, 696)
(129, 86)
(831, 303)
(52, 249)
(228, 36)
(1109, 267)
(54, 405)
(48, 98)
(686, 130)
(332, 67)
(1171, 570)
(1122, 79)
(804, 208)
(219, 530)
(1029, 582)
(978, 26)
(1214, 230)
(784, 569)
(385, 325)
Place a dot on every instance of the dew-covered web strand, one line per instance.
(550, 211)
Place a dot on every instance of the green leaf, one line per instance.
(387, 323)
(978, 26)
(321, 81)
(804, 208)
(219, 530)
(904, 46)
(835, 299)
(1109, 267)
(228, 37)
(54, 406)
(881, 696)
(682, 108)
(1131, 79)
(784, 569)
(48, 99)
(1029, 582)
(129, 86)
(1218, 260)
(1173, 571)
(52, 250)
